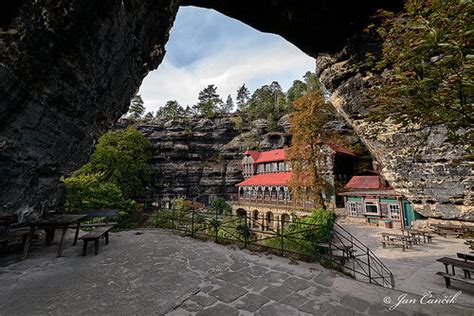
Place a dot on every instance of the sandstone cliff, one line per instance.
(200, 158)
(418, 162)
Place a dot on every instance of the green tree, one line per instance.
(137, 107)
(243, 96)
(228, 105)
(89, 192)
(297, 90)
(311, 81)
(265, 100)
(171, 110)
(220, 206)
(121, 158)
(209, 102)
(426, 67)
(271, 123)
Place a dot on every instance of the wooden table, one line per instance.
(419, 232)
(58, 221)
(467, 267)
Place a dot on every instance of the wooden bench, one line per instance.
(95, 235)
(470, 243)
(107, 214)
(465, 256)
(447, 232)
(395, 243)
(466, 266)
(448, 277)
(25, 236)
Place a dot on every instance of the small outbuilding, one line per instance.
(369, 198)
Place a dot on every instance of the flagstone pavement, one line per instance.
(155, 272)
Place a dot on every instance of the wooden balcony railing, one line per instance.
(271, 200)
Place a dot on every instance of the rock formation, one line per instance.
(418, 162)
(68, 69)
(200, 158)
(67, 72)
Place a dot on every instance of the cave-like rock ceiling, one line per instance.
(68, 69)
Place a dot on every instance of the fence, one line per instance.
(329, 244)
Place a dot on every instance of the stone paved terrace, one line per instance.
(157, 272)
(415, 268)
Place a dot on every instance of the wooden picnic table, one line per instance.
(466, 266)
(451, 229)
(426, 234)
(58, 221)
(391, 236)
(397, 240)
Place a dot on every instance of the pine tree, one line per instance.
(171, 110)
(243, 97)
(209, 102)
(228, 106)
(137, 107)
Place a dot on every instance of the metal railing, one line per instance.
(330, 244)
(260, 200)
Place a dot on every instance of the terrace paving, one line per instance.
(154, 272)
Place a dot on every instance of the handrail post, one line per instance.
(368, 263)
(215, 225)
(192, 223)
(246, 231)
(282, 245)
(282, 242)
(172, 219)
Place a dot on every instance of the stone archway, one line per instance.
(69, 68)
(241, 213)
(269, 222)
(284, 220)
(255, 219)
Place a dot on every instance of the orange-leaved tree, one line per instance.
(308, 155)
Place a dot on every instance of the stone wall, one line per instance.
(200, 158)
(418, 162)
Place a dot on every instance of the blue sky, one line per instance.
(207, 47)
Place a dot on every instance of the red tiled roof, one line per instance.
(272, 155)
(341, 149)
(364, 182)
(279, 178)
(279, 154)
(253, 153)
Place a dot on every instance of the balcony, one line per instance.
(267, 200)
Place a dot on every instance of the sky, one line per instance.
(207, 47)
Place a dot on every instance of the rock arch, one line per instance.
(69, 68)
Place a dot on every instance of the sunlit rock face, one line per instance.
(200, 158)
(418, 162)
(67, 71)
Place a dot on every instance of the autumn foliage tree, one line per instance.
(426, 67)
(308, 153)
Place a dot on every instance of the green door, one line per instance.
(409, 215)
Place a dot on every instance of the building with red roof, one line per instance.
(370, 198)
(268, 174)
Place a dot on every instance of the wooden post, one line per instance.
(192, 223)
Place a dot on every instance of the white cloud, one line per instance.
(246, 60)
